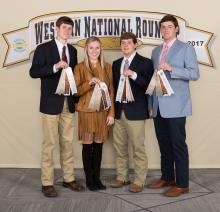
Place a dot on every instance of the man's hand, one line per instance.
(150, 112)
(128, 73)
(61, 65)
(165, 67)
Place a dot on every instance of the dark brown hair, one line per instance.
(172, 19)
(64, 20)
(128, 35)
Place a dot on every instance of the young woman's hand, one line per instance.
(110, 121)
(94, 80)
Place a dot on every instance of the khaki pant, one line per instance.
(57, 128)
(133, 131)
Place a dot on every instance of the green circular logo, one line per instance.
(19, 45)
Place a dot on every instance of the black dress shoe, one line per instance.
(49, 191)
(74, 185)
(91, 186)
(99, 184)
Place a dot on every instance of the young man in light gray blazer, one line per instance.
(179, 62)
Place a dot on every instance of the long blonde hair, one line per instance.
(101, 57)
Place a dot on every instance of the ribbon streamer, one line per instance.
(97, 96)
(160, 83)
(129, 94)
(61, 85)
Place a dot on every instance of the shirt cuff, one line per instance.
(54, 69)
(134, 76)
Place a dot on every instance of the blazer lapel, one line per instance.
(173, 50)
(134, 62)
(71, 56)
(158, 56)
(118, 69)
(55, 51)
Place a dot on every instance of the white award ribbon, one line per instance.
(166, 83)
(129, 94)
(152, 84)
(61, 85)
(155, 83)
(95, 100)
(70, 77)
(159, 86)
(104, 87)
(120, 88)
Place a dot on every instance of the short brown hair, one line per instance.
(64, 20)
(172, 19)
(128, 35)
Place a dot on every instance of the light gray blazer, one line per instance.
(183, 59)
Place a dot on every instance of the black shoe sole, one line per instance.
(92, 189)
(49, 195)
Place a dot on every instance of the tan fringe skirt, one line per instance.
(92, 126)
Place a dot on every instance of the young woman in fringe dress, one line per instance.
(93, 126)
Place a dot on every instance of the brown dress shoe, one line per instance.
(160, 184)
(135, 188)
(49, 191)
(176, 191)
(119, 183)
(74, 185)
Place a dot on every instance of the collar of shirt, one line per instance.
(169, 44)
(129, 61)
(60, 49)
(130, 58)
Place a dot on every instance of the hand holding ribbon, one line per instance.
(100, 92)
(160, 83)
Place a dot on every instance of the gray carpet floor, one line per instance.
(20, 191)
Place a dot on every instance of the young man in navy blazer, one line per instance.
(130, 116)
(57, 110)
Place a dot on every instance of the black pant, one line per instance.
(171, 137)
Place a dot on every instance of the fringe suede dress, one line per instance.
(89, 121)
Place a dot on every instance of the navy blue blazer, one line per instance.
(136, 110)
(45, 56)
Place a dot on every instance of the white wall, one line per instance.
(20, 122)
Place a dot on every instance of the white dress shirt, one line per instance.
(134, 75)
(60, 50)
